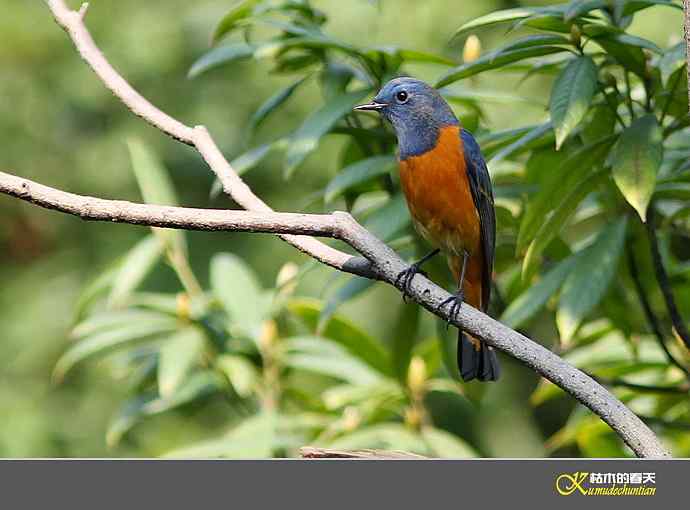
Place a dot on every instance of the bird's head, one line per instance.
(417, 112)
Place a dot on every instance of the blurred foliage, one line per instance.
(249, 350)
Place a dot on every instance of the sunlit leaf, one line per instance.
(104, 321)
(251, 439)
(235, 285)
(589, 278)
(390, 436)
(323, 356)
(106, 341)
(307, 137)
(243, 376)
(636, 159)
(445, 445)
(356, 174)
(572, 95)
(494, 18)
(178, 355)
(135, 266)
(156, 188)
(345, 333)
(242, 9)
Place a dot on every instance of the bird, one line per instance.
(447, 187)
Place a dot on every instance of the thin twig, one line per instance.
(663, 280)
(651, 317)
(379, 262)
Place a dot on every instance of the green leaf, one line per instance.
(178, 355)
(572, 96)
(672, 60)
(636, 159)
(358, 173)
(523, 143)
(353, 288)
(553, 225)
(251, 439)
(250, 159)
(273, 103)
(323, 356)
(495, 60)
(104, 321)
(137, 264)
(307, 137)
(404, 338)
(504, 16)
(243, 376)
(156, 188)
(339, 329)
(445, 445)
(219, 56)
(535, 40)
(387, 436)
(133, 411)
(525, 306)
(234, 284)
(564, 178)
(632, 6)
(106, 341)
(630, 57)
(581, 7)
(594, 268)
(241, 10)
(389, 219)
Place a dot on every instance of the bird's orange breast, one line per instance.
(438, 195)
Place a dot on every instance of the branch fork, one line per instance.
(376, 260)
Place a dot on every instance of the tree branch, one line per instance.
(652, 319)
(663, 280)
(381, 262)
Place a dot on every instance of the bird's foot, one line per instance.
(404, 279)
(455, 301)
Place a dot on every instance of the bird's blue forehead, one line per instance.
(408, 85)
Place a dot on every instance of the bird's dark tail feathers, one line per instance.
(476, 360)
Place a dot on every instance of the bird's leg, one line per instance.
(404, 278)
(456, 300)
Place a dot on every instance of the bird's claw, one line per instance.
(455, 302)
(404, 279)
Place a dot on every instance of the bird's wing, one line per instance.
(480, 185)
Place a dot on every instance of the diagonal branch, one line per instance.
(652, 319)
(198, 137)
(379, 262)
(664, 283)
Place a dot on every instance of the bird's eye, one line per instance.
(402, 96)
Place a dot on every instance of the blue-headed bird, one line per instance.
(448, 190)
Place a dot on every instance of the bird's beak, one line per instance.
(370, 107)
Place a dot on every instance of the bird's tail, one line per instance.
(476, 360)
